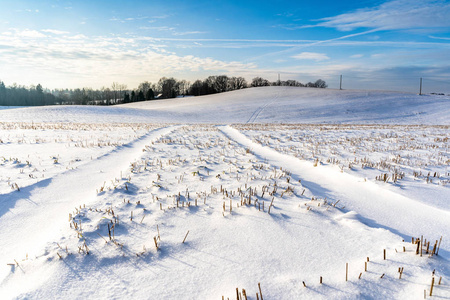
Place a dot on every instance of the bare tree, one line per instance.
(115, 88)
(107, 95)
(122, 89)
(168, 87)
(183, 87)
(144, 87)
(258, 81)
(220, 83)
(197, 88)
(320, 84)
(236, 83)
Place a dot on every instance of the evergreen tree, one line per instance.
(39, 99)
(2, 93)
(150, 95)
(39, 89)
(140, 96)
(126, 98)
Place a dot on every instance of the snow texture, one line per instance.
(203, 197)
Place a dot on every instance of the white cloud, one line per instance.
(357, 56)
(55, 31)
(77, 37)
(30, 34)
(78, 60)
(311, 56)
(160, 17)
(29, 10)
(396, 14)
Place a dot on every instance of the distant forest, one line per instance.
(117, 93)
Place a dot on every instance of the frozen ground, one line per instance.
(149, 203)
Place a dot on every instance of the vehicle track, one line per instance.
(258, 111)
(45, 208)
(377, 207)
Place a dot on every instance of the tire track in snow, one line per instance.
(377, 207)
(45, 208)
(258, 111)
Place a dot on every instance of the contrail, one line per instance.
(313, 44)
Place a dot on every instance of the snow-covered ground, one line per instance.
(205, 197)
(258, 105)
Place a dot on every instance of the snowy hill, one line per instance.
(259, 105)
(305, 105)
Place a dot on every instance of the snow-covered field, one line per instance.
(267, 190)
(258, 105)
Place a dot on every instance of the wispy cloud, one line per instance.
(54, 31)
(314, 43)
(172, 30)
(311, 56)
(27, 33)
(189, 33)
(285, 14)
(159, 28)
(234, 40)
(259, 43)
(391, 15)
(439, 38)
(160, 17)
(31, 10)
(77, 37)
(129, 19)
(377, 55)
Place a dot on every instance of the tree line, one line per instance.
(117, 93)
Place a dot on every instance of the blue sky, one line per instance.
(373, 44)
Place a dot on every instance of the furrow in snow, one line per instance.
(43, 208)
(377, 206)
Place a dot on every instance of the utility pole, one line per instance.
(420, 91)
(279, 82)
(340, 84)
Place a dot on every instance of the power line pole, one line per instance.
(420, 91)
(340, 84)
